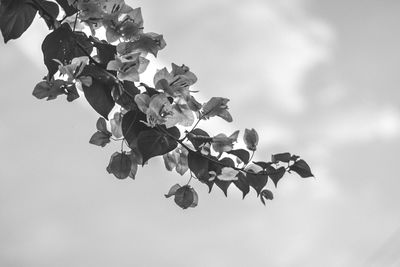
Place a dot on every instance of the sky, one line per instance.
(315, 78)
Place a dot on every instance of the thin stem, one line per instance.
(194, 127)
(76, 19)
(190, 179)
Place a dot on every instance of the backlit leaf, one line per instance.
(266, 195)
(172, 190)
(250, 138)
(132, 126)
(283, 157)
(276, 174)
(242, 184)
(184, 197)
(242, 154)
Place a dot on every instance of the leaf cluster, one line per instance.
(158, 120)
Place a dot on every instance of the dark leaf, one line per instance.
(267, 195)
(15, 17)
(242, 184)
(120, 165)
(153, 143)
(64, 44)
(100, 139)
(283, 157)
(184, 197)
(132, 126)
(72, 93)
(101, 126)
(68, 9)
(49, 90)
(51, 13)
(105, 51)
(301, 168)
(217, 168)
(149, 90)
(263, 164)
(98, 94)
(124, 95)
(276, 174)
(198, 137)
(199, 165)
(242, 154)
(257, 181)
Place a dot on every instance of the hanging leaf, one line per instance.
(134, 168)
(132, 126)
(250, 138)
(276, 174)
(124, 95)
(116, 127)
(301, 168)
(199, 166)
(100, 139)
(182, 165)
(266, 195)
(186, 197)
(242, 154)
(120, 165)
(50, 90)
(218, 168)
(283, 157)
(101, 125)
(242, 184)
(256, 178)
(15, 17)
(98, 95)
(153, 143)
(63, 44)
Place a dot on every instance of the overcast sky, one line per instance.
(316, 78)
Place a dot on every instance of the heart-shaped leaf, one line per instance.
(15, 17)
(153, 143)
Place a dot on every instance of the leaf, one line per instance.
(52, 10)
(100, 139)
(301, 168)
(242, 154)
(242, 184)
(120, 165)
(198, 137)
(49, 90)
(15, 17)
(172, 190)
(153, 143)
(257, 181)
(199, 166)
(64, 45)
(217, 168)
(98, 94)
(267, 195)
(132, 126)
(250, 138)
(124, 95)
(105, 51)
(283, 157)
(276, 174)
(217, 106)
(184, 197)
(68, 9)
(264, 165)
